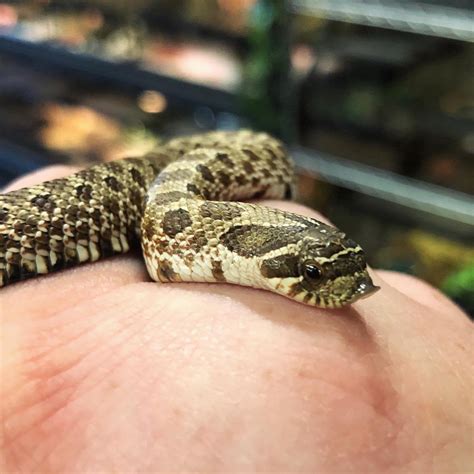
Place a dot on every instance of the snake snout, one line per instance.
(365, 287)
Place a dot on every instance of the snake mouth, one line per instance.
(364, 289)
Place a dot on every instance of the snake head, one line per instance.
(324, 269)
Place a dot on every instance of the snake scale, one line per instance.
(180, 203)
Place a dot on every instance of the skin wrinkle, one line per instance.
(35, 389)
(61, 345)
(80, 387)
(65, 343)
(33, 406)
(17, 452)
(16, 441)
(64, 368)
(45, 459)
(46, 415)
(73, 424)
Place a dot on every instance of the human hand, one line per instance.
(102, 370)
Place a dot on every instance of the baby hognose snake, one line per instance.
(177, 200)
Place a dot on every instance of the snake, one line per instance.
(186, 204)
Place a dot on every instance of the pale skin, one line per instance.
(104, 371)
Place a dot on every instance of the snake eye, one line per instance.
(312, 272)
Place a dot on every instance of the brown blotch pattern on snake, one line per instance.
(257, 240)
(176, 221)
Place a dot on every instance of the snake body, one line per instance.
(180, 203)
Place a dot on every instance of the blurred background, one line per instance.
(374, 98)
